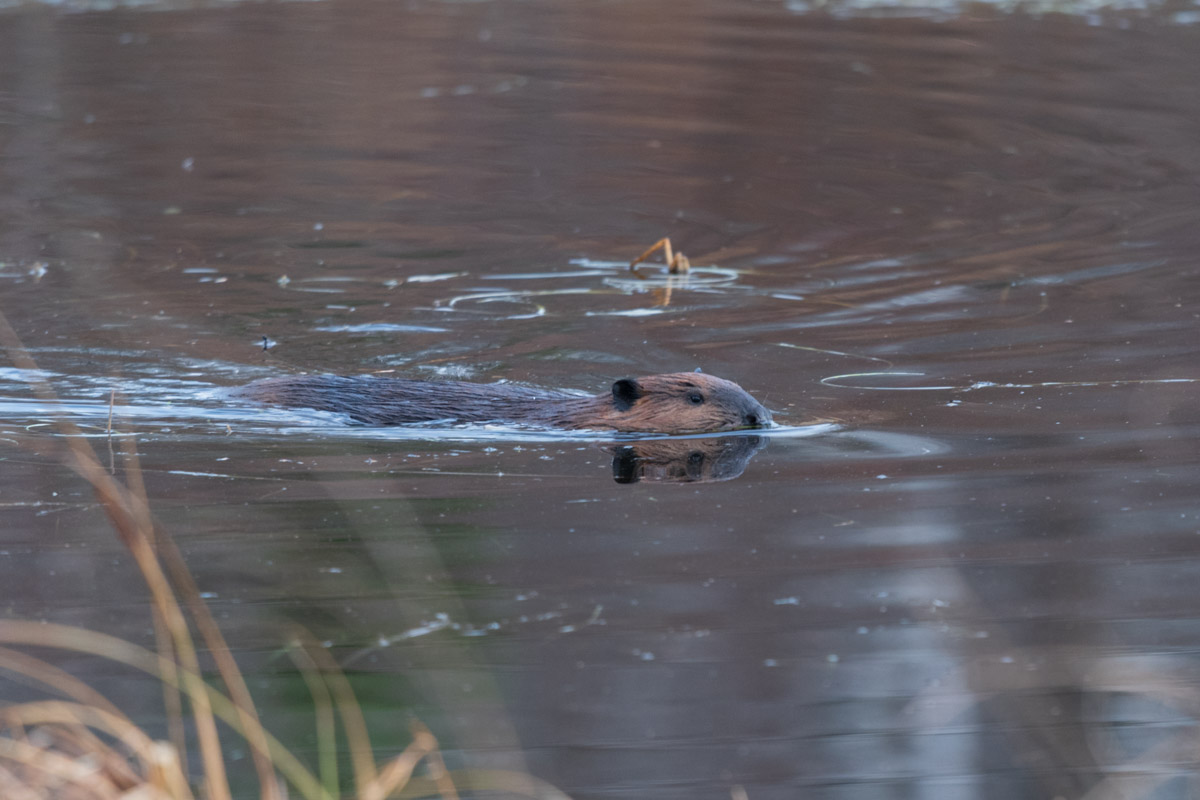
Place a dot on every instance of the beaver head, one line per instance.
(683, 402)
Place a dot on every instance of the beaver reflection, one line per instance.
(684, 460)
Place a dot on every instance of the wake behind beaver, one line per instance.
(683, 402)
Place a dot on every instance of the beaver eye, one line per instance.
(695, 398)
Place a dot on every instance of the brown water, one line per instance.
(957, 256)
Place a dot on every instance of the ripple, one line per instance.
(380, 327)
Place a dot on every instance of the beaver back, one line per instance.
(398, 401)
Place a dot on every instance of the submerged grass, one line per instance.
(83, 747)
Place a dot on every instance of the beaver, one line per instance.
(685, 402)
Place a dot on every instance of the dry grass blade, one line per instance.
(326, 725)
(70, 753)
(13, 787)
(130, 515)
(81, 640)
(232, 676)
(182, 580)
(348, 709)
(65, 750)
(80, 742)
(34, 670)
(395, 776)
(399, 770)
(40, 773)
(172, 699)
(519, 784)
(62, 712)
(437, 767)
(124, 512)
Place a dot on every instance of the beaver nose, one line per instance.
(758, 417)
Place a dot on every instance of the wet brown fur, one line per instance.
(686, 402)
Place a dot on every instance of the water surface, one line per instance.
(954, 254)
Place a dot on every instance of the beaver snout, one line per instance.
(758, 418)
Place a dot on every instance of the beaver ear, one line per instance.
(625, 393)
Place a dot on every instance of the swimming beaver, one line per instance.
(686, 402)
